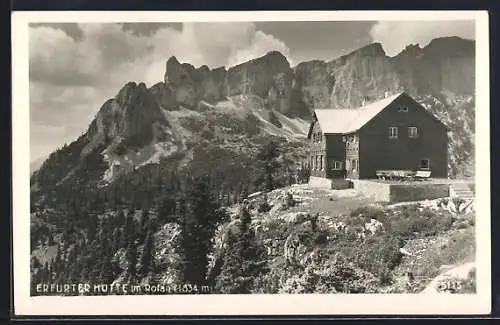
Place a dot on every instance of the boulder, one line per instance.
(374, 226)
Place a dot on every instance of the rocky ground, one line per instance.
(328, 241)
(289, 235)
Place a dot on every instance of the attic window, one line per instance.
(403, 109)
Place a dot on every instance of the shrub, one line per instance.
(263, 207)
(460, 247)
(332, 275)
(368, 211)
(412, 221)
(320, 237)
(379, 255)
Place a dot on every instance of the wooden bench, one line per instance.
(422, 175)
(395, 174)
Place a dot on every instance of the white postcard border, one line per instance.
(356, 304)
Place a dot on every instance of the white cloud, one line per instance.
(70, 79)
(261, 44)
(396, 35)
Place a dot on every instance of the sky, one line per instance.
(75, 68)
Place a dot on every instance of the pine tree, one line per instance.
(106, 274)
(199, 226)
(244, 259)
(268, 158)
(147, 257)
(128, 234)
(120, 219)
(131, 257)
(144, 223)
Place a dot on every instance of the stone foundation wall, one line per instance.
(417, 192)
(401, 192)
(377, 191)
(320, 182)
(335, 184)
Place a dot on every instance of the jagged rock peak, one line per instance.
(172, 60)
(373, 49)
(450, 46)
(275, 53)
(272, 57)
(131, 88)
(311, 62)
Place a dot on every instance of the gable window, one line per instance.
(403, 109)
(412, 132)
(393, 132)
(425, 164)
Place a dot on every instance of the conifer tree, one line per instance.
(199, 224)
(244, 259)
(144, 222)
(268, 158)
(131, 257)
(147, 257)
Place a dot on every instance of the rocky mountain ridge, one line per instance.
(267, 97)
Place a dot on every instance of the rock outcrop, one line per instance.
(313, 83)
(132, 114)
(256, 76)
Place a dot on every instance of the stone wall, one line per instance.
(377, 191)
(417, 192)
(320, 182)
(382, 192)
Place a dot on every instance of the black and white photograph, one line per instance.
(237, 156)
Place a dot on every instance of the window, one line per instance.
(316, 162)
(412, 132)
(320, 162)
(425, 164)
(403, 109)
(354, 164)
(393, 132)
(336, 164)
(311, 166)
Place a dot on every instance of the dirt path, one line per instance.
(461, 272)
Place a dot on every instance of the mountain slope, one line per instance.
(235, 108)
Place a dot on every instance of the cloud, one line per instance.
(396, 35)
(261, 44)
(71, 77)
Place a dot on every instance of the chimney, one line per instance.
(386, 94)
